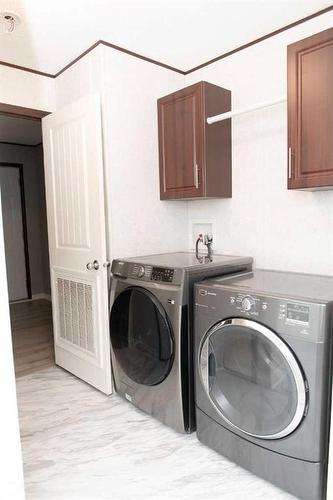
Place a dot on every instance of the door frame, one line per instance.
(19, 166)
(21, 112)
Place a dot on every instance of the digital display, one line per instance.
(298, 313)
(162, 274)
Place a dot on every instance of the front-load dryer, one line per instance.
(151, 330)
(263, 375)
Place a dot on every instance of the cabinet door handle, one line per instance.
(196, 175)
(290, 159)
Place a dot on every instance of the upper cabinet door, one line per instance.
(310, 112)
(195, 158)
(180, 131)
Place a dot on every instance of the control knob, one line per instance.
(141, 271)
(247, 303)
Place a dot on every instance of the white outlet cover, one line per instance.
(201, 226)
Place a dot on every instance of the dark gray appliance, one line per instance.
(263, 375)
(151, 330)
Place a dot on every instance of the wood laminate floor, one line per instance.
(32, 336)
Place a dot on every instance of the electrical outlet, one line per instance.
(201, 226)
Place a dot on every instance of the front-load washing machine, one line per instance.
(151, 330)
(263, 349)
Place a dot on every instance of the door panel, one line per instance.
(180, 142)
(72, 140)
(310, 111)
(14, 232)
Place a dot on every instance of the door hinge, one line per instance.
(196, 175)
(290, 162)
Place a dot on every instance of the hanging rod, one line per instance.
(230, 114)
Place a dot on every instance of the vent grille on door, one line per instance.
(76, 313)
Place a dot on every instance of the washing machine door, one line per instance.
(253, 379)
(141, 336)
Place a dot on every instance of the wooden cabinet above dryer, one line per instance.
(195, 158)
(310, 112)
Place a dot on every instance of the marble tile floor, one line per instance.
(79, 444)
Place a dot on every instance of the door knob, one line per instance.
(93, 265)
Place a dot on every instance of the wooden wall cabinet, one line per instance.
(195, 158)
(310, 112)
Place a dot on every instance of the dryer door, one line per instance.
(141, 336)
(252, 378)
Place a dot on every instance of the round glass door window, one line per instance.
(141, 336)
(252, 378)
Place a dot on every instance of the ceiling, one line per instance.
(20, 130)
(181, 33)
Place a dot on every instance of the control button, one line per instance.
(140, 271)
(247, 303)
(264, 306)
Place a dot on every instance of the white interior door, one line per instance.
(73, 157)
(13, 231)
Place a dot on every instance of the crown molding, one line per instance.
(6, 143)
(167, 66)
(260, 39)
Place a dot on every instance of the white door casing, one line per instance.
(73, 158)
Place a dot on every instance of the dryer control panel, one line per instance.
(291, 312)
(286, 316)
(247, 303)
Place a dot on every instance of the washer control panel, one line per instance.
(147, 272)
(138, 271)
(162, 274)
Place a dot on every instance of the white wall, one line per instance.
(22, 88)
(139, 223)
(281, 229)
(31, 159)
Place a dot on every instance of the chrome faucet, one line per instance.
(208, 241)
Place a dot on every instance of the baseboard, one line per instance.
(41, 296)
(36, 296)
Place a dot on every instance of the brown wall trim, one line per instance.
(163, 65)
(24, 68)
(92, 47)
(120, 49)
(144, 58)
(261, 39)
(21, 112)
(20, 144)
